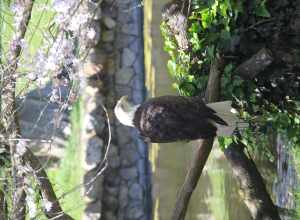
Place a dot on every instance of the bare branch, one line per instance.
(8, 104)
(52, 208)
(212, 92)
(19, 209)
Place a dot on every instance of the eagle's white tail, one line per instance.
(229, 115)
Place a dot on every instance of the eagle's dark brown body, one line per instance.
(174, 118)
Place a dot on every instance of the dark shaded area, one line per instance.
(278, 81)
(256, 64)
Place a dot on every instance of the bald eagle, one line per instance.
(176, 118)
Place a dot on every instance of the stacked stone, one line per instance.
(126, 191)
(94, 135)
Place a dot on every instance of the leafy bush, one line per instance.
(213, 29)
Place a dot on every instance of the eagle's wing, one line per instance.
(172, 118)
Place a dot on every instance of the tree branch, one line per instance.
(19, 202)
(212, 92)
(255, 64)
(255, 194)
(52, 208)
(192, 177)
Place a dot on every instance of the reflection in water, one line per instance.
(216, 195)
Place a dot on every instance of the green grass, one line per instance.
(6, 26)
(70, 173)
(38, 28)
(37, 37)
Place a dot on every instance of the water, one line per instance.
(216, 196)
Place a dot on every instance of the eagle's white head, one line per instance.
(124, 111)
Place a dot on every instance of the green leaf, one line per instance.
(196, 42)
(206, 18)
(195, 28)
(224, 142)
(262, 11)
(171, 66)
(224, 7)
(211, 51)
(228, 69)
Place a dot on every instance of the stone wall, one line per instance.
(113, 68)
(126, 188)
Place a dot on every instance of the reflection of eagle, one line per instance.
(174, 118)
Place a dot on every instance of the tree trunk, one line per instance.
(9, 110)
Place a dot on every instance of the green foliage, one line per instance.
(261, 9)
(178, 65)
(70, 173)
(224, 142)
(211, 27)
(230, 86)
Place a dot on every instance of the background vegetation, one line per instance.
(213, 29)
